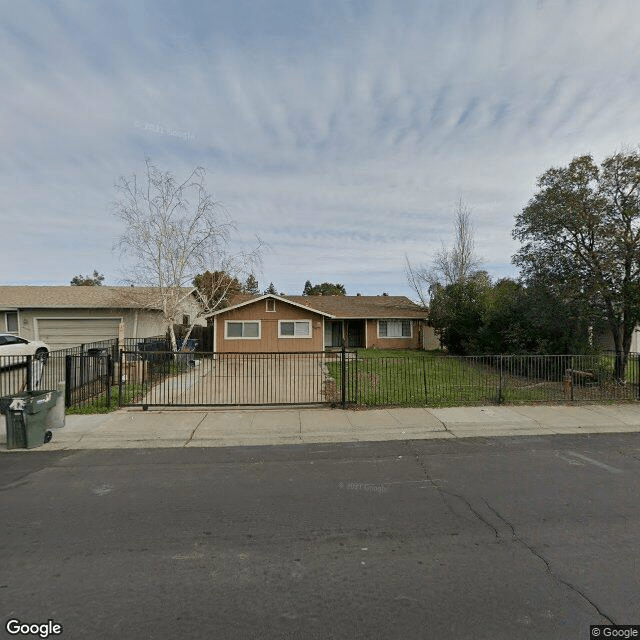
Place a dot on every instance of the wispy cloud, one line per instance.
(342, 132)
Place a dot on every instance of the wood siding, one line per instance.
(269, 341)
(374, 342)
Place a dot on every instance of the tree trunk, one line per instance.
(622, 341)
(186, 335)
(172, 335)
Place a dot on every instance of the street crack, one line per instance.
(443, 424)
(444, 495)
(193, 433)
(550, 571)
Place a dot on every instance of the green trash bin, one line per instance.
(26, 416)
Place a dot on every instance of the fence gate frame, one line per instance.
(230, 379)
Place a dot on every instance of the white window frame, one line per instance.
(399, 320)
(309, 322)
(273, 304)
(242, 322)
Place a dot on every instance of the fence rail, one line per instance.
(138, 376)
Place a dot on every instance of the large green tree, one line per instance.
(95, 280)
(251, 285)
(532, 319)
(324, 289)
(475, 316)
(456, 312)
(581, 237)
(216, 288)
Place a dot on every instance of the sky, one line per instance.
(343, 133)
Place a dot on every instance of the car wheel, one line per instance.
(42, 355)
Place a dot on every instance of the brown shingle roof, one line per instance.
(28, 297)
(351, 306)
(362, 306)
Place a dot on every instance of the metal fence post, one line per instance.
(67, 380)
(424, 379)
(115, 350)
(108, 378)
(142, 383)
(572, 378)
(83, 366)
(121, 379)
(356, 375)
(500, 382)
(343, 366)
(29, 373)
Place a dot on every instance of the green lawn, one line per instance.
(418, 378)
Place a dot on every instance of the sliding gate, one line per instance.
(164, 378)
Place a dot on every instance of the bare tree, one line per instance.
(173, 232)
(450, 265)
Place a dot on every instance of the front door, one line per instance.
(355, 334)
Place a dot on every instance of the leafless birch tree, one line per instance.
(173, 230)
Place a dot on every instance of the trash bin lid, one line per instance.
(30, 401)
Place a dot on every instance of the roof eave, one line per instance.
(274, 297)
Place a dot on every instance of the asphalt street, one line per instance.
(512, 537)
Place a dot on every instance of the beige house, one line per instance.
(69, 316)
(272, 323)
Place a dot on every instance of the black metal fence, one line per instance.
(142, 375)
(89, 379)
(87, 371)
(22, 373)
(187, 378)
(427, 379)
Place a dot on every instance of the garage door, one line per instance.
(61, 333)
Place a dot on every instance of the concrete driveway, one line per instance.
(248, 379)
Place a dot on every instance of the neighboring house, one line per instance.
(69, 316)
(604, 341)
(271, 323)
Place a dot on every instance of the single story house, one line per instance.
(272, 323)
(69, 316)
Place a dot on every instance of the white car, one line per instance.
(19, 348)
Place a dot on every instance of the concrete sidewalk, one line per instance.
(134, 428)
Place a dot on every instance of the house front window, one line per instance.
(11, 321)
(394, 328)
(242, 330)
(294, 329)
